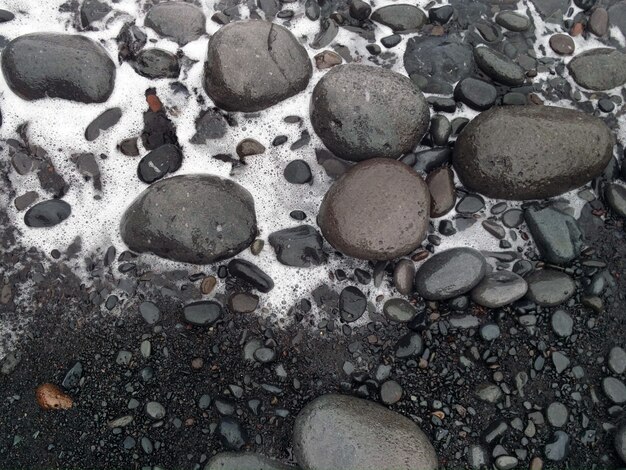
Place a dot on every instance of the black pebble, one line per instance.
(156, 164)
(47, 213)
(250, 273)
(298, 172)
(352, 304)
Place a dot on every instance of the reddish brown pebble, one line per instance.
(420, 255)
(327, 59)
(208, 284)
(154, 103)
(50, 397)
(576, 30)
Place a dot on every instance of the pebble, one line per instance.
(498, 289)
(47, 213)
(558, 450)
(249, 147)
(506, 462)
(243, 302)
(562, 44)
(158, 163)
(25, 200)
(616, 197)
(599, 22)
(403, 275)
(442, 193)
(562, 323)
(156, 63)
(549, 288)
(352, 304)
(298, 172)
(149, 312)
(614, 389)
(390, 392)
(231, 434)
(477, 94)
(489, 332)
(155, 410)
(498, 66)
(617, 360)
(513, 21)
(327, 59)
(264, 355)
(399, 310)
(620, 443)
(409, 345)
(252, 274)
(400, 18)
(557, 414)
(202, 313)
(556, 234)
(104, 121)
(243, 461)
(489, 393)
(182, 22)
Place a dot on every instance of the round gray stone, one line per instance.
(557, 414)
(252, 65)
(155, 410)
(50, 65)
(399, 310)
(193, 218)
(562, 323)
(617, 360)
(390, 392)
(498, 289)
(614, 389)
(501, 153)
(599, 69)
(549, 288)
(362, 112)
(335, 431)
(450, 273)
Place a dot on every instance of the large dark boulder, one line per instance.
(51, 65)
(252, 65)
(193, 218)
(363, 112)
(531, 152)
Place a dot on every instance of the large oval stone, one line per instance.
(72, 67)
(252, 65)
(378, 210)
(599, 69)
(193, 218)
(340, 432)
(498, 289)
(450, 273)
(180, 21)
(531, 152)
(362, 112)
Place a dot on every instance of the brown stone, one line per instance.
(243, 302)
(208, 284)
(562, 44)
(599, 22)
(378, 210)
(51, 397)
(327, 59)
(248, 147)
(577, 29)
(442, 195)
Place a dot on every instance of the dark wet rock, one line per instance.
(22, 163)
(93, 10)
(559, 448)
(231, 434)
(562, 44)
(498, 66)
(549, 288)
(513, 21)
(362, 112)
(442, 194)
(440, 15)
(47, 213)
(391, 41)
(327, 33)
(243, 461)
(599, 22)
(428, 160)
(352, 304)
(25, 200)
(399, 310)
(403, 275)
(599, 69)
(513, 218)
(209, 125)
(620, 443)
(203, 313)
(250, 273)
(440, 130)
(614, 389)
(370, 224)
(498, 289)
(489, 393)
(494, 228)
(360, 10)
(73, 376)
(243, 302)
(450, 273)
(562, 323)
(218, 222)
(158, 163)
(129, 147)
(435, 63)
(104, 121)
(501, 153)
(249, 147)
(470, 204)
(180, 21)
(155, 410)
(401, 17)
(299, 246)
(130, 40)
(330, 424)
(70, 67)
(556, 234)
(5, 16)
(477, 94)
(551, 10)
(156, 63)
(298, 172)
(281, 67)
(616, 197)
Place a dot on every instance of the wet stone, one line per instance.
(361, 112)
(494, 229)
(70, 67)
(390, 392)
(330, 423)
(476, 94)
(470, 204)
(149, 312)
(156, 63)
(513, 21)
(498, 66)
(25, 200)
(409, 345)
(450, 273)
(203, 313)
(400, 18)
(93, 10)
(219, 209)
(22, 163)
(281, 66)
(614, 389)
(489, 393)
(549, 288)
(159, 162)
(298, 172)
(498, 289)
(489, 332)
(442, 194)
(556, 234)
(560, 361)
(557, 414)
(264, 355)
(599, 22)
(350, 211)
(559, 448)
(616, 197)
(131, 39)
(5, 16)
(243, 302)
(155, 410)
(562, 44)
(327, 59)
(352, 304)
(562, 323)
(231, 434)
(47, 213)
(73, 376)
(299, 246)
(249, 147)
(129, 147)
(513, 218)
(209, 125)
(403, 275)
(617, 360)
(440, 15)
(399, 310)
(104, 121)
(252, 274)
(182, 22)
(599, 69)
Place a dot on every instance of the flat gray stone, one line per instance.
(498, 289)
(549, 288)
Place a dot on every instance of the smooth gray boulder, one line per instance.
(51, 65)
(252, 65)
(363, 112)
(182, 22)
(599, 69)
(341, 432)
(192, 218)
(531, 152)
